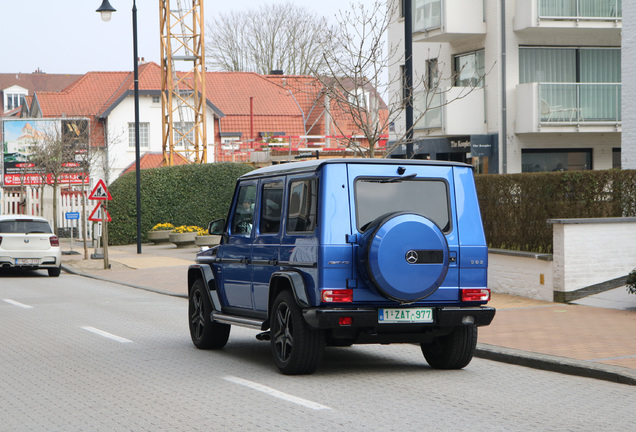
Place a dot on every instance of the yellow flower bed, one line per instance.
(162, 227)
(186, 229)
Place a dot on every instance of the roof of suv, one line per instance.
(313, 165)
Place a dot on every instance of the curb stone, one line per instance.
(558, 364)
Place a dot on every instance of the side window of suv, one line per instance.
(243, 217)
(303, 202)
(272, 203)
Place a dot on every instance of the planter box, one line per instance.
(159, 236)
(207, 240)
(182, 239)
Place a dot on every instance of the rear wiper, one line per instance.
(393, 179)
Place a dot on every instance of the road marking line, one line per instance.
(106, 334)
(15, 303)
(275, 393)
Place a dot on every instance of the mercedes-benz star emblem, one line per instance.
(26, 240)
(411, 257)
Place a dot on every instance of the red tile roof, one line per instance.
(155, 160)
(36, 82)
(249, 103)
(247, 98)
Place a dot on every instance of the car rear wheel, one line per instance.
(297, 348)
(54, 271)
(205, 333)
(453, 351)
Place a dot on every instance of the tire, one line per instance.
(297, 349)
(205, 333)
(54, 271)
(453, 351)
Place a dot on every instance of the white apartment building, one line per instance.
(514, 86)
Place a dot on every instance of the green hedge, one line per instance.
(515, 207)
(182, 195)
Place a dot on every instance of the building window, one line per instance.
(405, 89)
(469, 69)
(575, 84)
(580, 9)
(569, 65)
(183, 135)
(359, 98)
(144, 129)
(432, 74)
(156, 99)
(14, 101)
(426, 14)
(616, 158)
(546, 160)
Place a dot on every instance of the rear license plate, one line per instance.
(411, 315)
(26, 261)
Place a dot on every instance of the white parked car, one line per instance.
(28, 242)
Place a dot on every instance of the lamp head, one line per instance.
(106, 10)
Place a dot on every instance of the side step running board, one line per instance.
(235, 320)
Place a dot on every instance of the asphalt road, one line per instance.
(78, 354)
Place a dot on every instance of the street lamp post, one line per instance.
(106, 10)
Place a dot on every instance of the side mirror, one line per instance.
(216, 227)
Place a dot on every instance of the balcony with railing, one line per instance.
(454, 111)
(447, 20)
(585, 17)
(568, 107)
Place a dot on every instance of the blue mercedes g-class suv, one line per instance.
(347, 251)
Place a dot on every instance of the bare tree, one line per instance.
(285, 36)
(353, 81)
(50, 153)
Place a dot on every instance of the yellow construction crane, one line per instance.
(183, 92)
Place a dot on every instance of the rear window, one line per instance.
(303, 202)
(20, 226)
(376, 197)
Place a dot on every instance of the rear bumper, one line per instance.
(47, 261)
(368, 318)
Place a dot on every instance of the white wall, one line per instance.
(587, 252)
(592, 251)
(523, 275)
(120, 154)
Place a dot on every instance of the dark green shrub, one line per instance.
(631, 282)
(515, 207)
(182, 195)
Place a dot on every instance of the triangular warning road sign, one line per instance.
(100, 192)
(96, 214)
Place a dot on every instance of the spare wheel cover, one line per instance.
(406, 257)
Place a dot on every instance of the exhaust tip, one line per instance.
(264, 336)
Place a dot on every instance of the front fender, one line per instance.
(205, 273)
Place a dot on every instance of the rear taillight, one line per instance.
(0, 240)
(475, 294)
(337, 296)
(54, 241)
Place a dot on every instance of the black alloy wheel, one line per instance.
(205, 333)
(297, 349)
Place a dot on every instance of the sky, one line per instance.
(68, 36)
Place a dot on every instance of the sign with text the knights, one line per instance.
(100, 192)
(96, 214)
